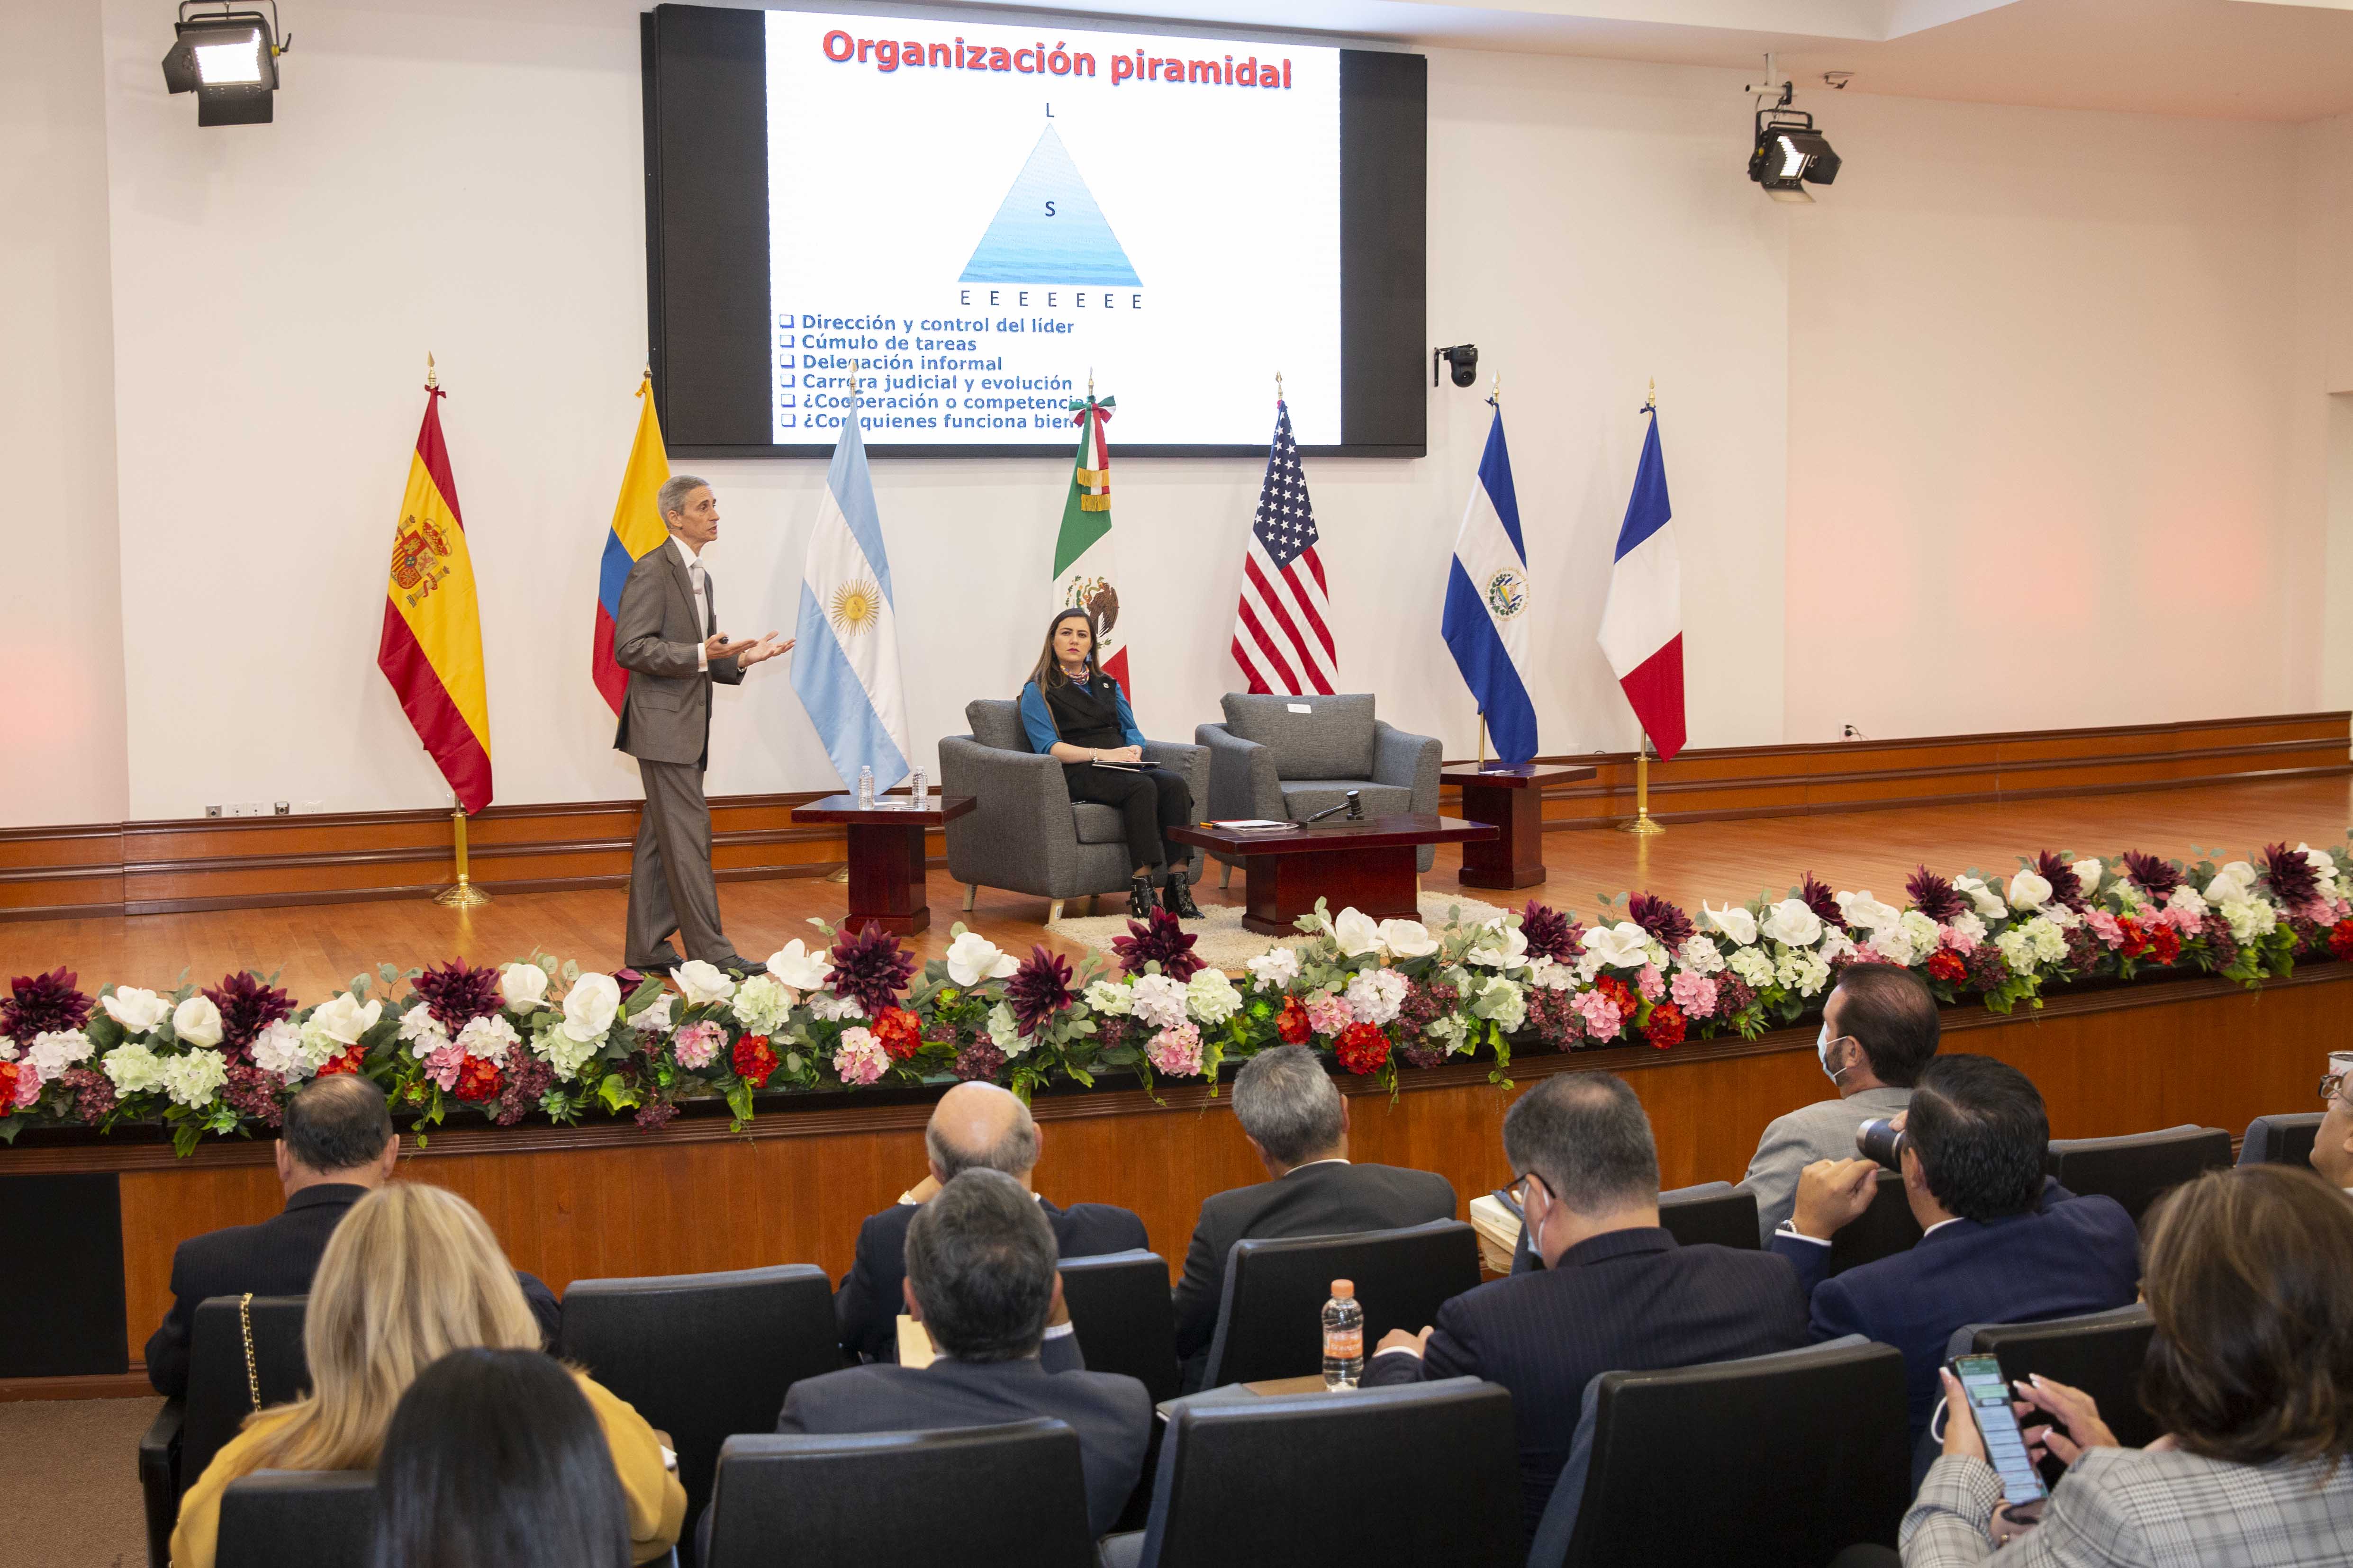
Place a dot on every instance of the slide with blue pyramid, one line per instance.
(1049, 229)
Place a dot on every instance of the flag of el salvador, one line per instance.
(1487, 603)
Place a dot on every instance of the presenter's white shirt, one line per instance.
(695, 576)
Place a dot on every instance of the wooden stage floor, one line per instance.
(319, 947)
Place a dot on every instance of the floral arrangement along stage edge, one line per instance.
(540, 1038)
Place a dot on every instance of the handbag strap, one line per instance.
(252, 1372)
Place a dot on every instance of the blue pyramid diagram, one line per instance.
(1049, 229)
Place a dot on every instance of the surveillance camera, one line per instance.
(1463, 357)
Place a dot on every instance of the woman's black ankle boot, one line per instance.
(1139, 899)
(1176, 897)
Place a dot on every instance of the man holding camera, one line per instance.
(2000, 1242)
(1879, 1029)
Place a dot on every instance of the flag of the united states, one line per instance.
(1282, 633)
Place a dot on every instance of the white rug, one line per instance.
(1219, 936)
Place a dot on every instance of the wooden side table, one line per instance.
(886, 853)
(1370, 864)
(1511, 799)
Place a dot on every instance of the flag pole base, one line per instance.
(464, 896)
(1642, 826)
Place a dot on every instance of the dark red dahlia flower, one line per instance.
(247, 1004)
(1362, 1048)
(2291, 876)
(1550, 933)
(1817, 896)
(1933, 895)
(2156, 875)
(2066, 886)
(1039, 989)
(872, 967)
(457, 993)
(1161, 939)
(1660, 919)
(42, 1003)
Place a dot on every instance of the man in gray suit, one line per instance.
(1879, 1029)
(981, 1278)
(667, 637)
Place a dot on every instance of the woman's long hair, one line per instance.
(494, 1460)
(411, 1274)
(1049, 667)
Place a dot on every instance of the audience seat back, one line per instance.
(1269, 1319)
(2282, 1140)
(1714, 1212)
(298, 1519)
(220, 1396)
(1771, 1461)
(2138, 1167)
(1376, 1477)
(2100, 1353)
(1885, 1228)
(704, 1356)
(977, 1494)
(1124, 1317)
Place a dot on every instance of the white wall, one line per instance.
(60, 612)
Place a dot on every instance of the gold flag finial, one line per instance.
(431, 378)
(1278, 387)
(1651, 403)
(1091, 384)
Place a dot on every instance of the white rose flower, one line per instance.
(1862, 910)
(701, 983)
(136, 1010)
(1006, 1030)
(1375, 996)
(1752, 966)
(1408, 939)
(654, 1016)
(761, 1005)
(198, 1022)
(1211, 997)
(589, 1007)
(1701, 955)
(2319, 860)
(1270, 971)
(2235, 880)
(1734, 921)
(1500, 946)
(1792, 923)
(800, 967)
(2087, 872)
(133, 1069)
(1357, 933)
(1621, 946)
(1111, 999)
(1503, 1003)
(2029, 890)
(1158, 1000)
(834, 1008)
(487, 1037)
(523, 986)
(193, 1079)
(278, 1049)
(973, 958)
(342, 1019)
(1982, 899)
(53, 1050)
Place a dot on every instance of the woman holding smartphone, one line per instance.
(2249, 1276)
(1079, 716)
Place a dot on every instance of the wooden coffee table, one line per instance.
(1511, 796)
(886, 855)
(1367, 864)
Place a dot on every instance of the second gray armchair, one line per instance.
(1287, 758)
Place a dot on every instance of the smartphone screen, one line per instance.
(1988, 1396)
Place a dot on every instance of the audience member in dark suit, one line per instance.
(1616, 1294)
(337, 1146)
(2001, 1243)
(981, 1280)
(1297, 1120)
(976, 1126)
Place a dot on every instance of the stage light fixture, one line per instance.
(228, 59)
(1788, 154)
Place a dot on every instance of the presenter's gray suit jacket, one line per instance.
(1823, 1131)
(666, 718)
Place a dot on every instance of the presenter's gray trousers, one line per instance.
(670, 885)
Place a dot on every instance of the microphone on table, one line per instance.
(1354, 805)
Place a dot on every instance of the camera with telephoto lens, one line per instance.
(1878, 1141)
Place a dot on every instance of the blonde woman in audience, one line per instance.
(2250, 1279)
(410, 1275)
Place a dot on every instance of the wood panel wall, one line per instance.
(159, 868)
(608, 1200)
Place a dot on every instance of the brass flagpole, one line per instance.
(1642, 825)
(464, 895)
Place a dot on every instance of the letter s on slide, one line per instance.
(1050, 209)
(848, 48)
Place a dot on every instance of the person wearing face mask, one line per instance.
(1879, 1029)
(1616, 1291)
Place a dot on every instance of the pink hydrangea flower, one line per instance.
(2183, 922)
(860, 1058)
(2103, 926)
(1863, 952)
(696, 1045)
(1600, 1015)
(1328, 1013)
(1960, 941)
(443, 1065)
(1695, 994)
(1176, 1053)
(1651, 982)
(28, 1081)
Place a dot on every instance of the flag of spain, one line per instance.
(432, 646)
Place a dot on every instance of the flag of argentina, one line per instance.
(1487, 596)
(846, 650)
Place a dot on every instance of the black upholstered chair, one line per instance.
(297, 1518)
(2099, 1353)
(1270, 1320)
(1885, 1228)
(188, 1432)
(1797, 1455)
(1373, 1478)
(977, 1494)
(1123, 1316)
(704, 1356)
(1712, 1212)
(2284, 1140)
(2137, 1168)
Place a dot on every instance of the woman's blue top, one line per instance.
(1038, 725)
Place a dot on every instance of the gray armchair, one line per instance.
(1267, 760)
(1026, 835)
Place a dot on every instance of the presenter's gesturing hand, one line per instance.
(748, 651)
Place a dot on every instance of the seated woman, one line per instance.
(1079, 716)
(2246, 1275)
(497, 1456)
(411, 1274)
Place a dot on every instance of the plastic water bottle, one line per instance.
(866, 789)
(919, 788)
(1343, 1337)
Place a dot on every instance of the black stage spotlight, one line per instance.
(228, 59)
(1790, 154)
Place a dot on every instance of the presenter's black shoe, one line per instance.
(1176, 897)
(1139, 899)
(743, 968)
(668, 960)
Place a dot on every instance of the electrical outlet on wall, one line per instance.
(283, 809)
(313, 804)
(211, 811)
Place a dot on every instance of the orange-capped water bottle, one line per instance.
(1343, 1337)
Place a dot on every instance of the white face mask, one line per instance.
(1822, 1049)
